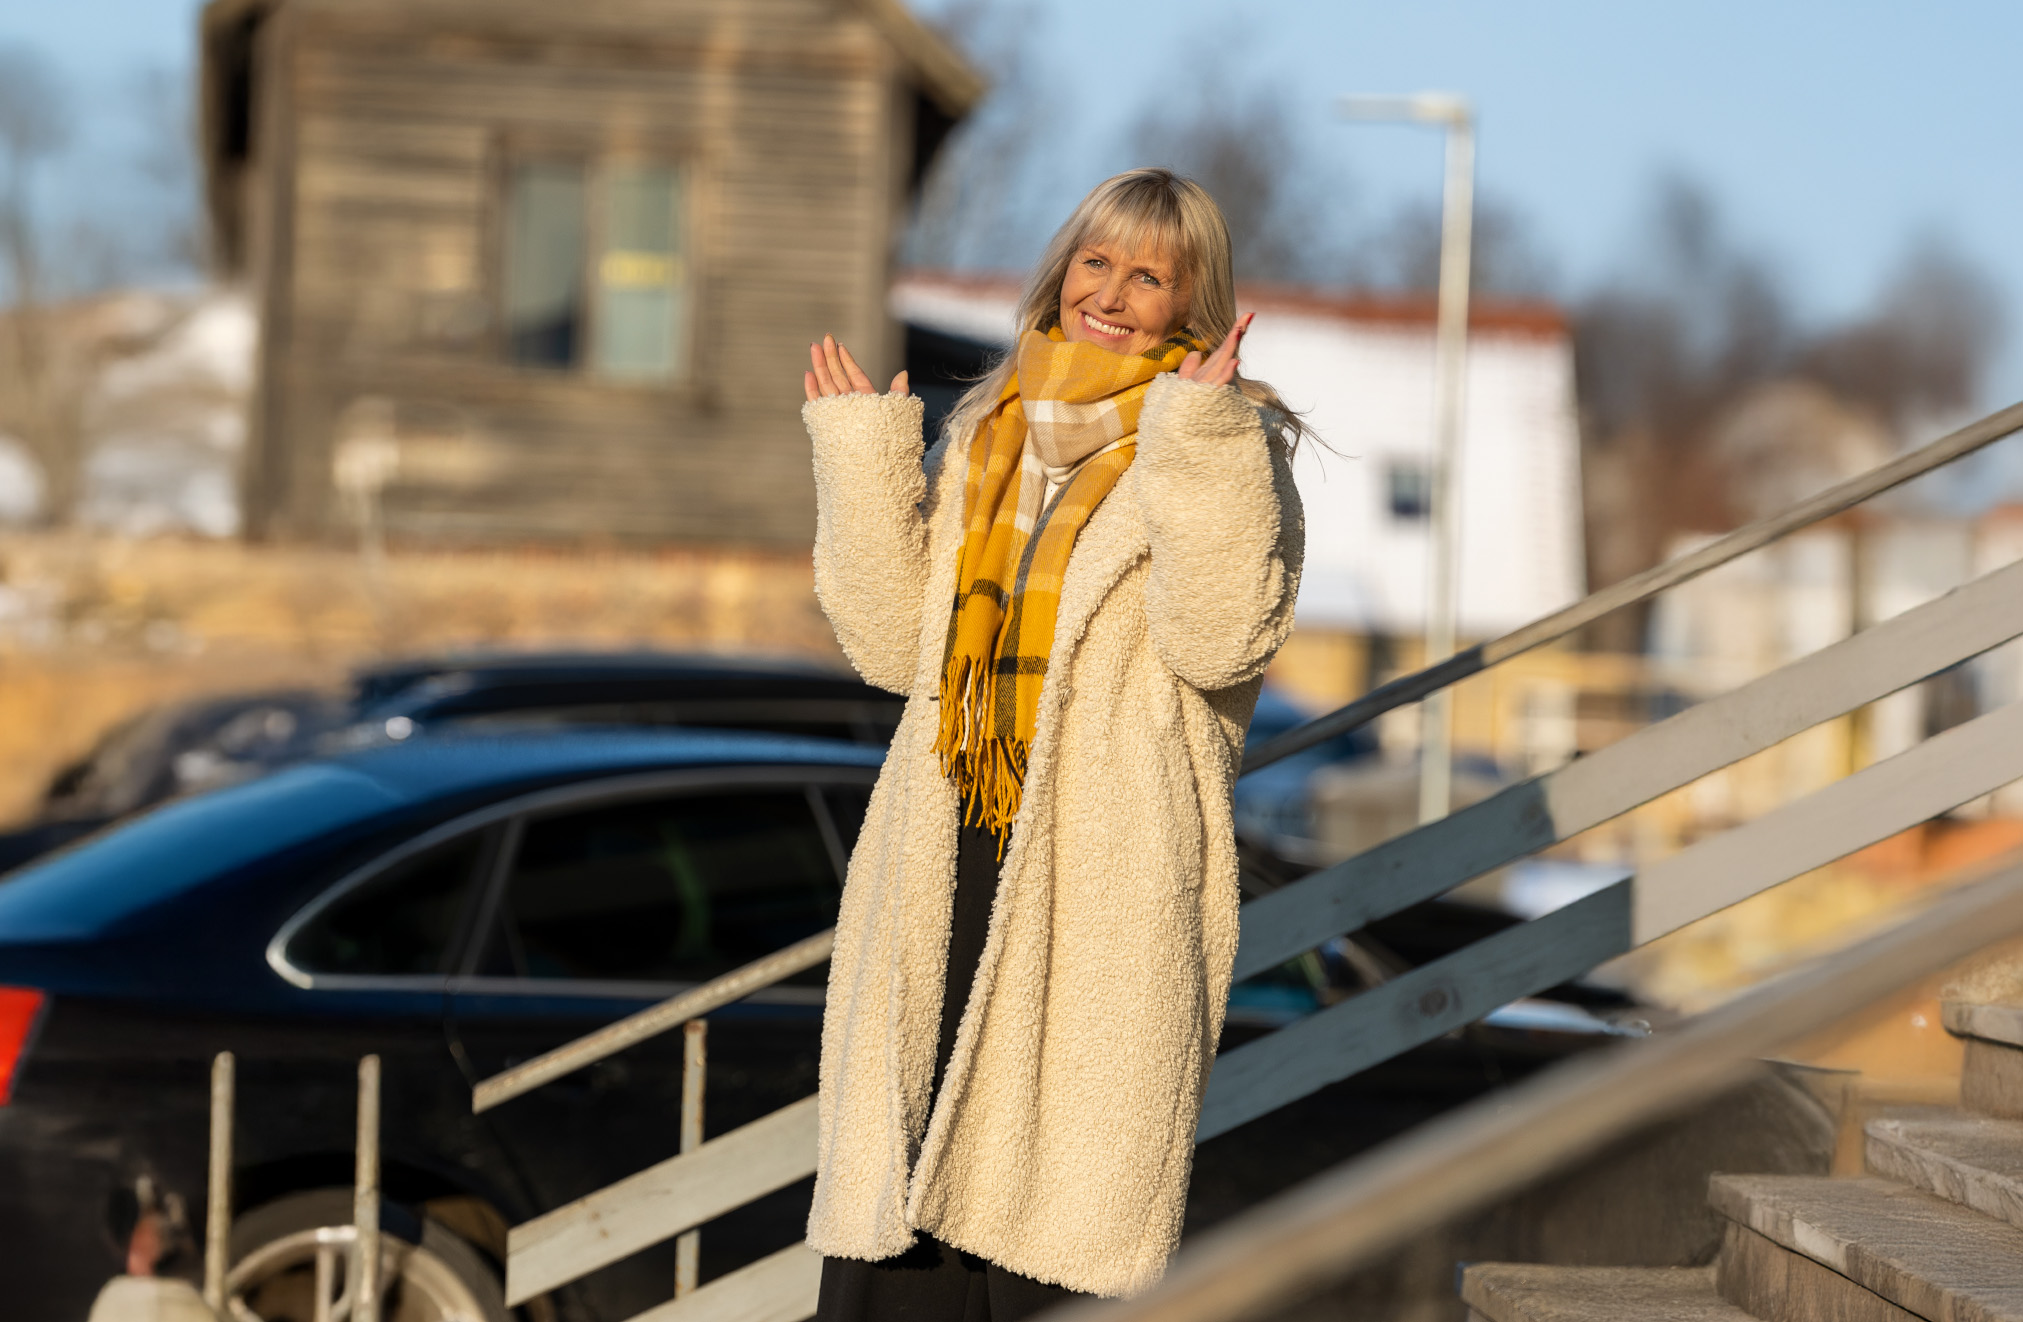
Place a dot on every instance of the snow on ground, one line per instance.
(163, 414)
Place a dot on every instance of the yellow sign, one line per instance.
(623, 269)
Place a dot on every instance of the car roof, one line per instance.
(378, 682)
(82, 891)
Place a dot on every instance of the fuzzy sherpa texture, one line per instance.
(1061, 1143)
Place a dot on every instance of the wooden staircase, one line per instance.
(1932, 1231)
(1475, 1155)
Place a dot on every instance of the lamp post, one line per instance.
(1457, 216)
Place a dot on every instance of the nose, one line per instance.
(1111, 296)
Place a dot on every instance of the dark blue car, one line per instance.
(454, 904)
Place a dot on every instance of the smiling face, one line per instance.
(1124, 301)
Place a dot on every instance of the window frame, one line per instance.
(598, 158)
(505, 820)
(1421, 471)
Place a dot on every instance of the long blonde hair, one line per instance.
(1154, 210)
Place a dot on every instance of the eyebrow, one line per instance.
(1136, 268)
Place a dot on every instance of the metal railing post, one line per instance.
(365, 1283)
(218, 1196)
(694, 1068)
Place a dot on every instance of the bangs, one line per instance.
(1141, 217)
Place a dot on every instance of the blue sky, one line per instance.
(1831, 132)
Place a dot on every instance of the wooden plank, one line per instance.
(1992, 1023)
(781, 1287)
(1639, 587)
(1930, 1257)
(1527, 817)
(1538, 1292)
(1416, 1007)
(653, 1020)
(1875, 803)
(1348, 1217)
(660, 1202)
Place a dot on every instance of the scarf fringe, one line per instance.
(989, 771)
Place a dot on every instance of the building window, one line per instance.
(596, 269)
(1408, 489)
(544, 264)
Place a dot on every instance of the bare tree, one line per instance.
(1692, 368)
(34, 126)
(977, 203)
(164, 104)
(1924, 350)
(1002, 183)
(1505, 258)
(1660, 354)
(1248, 152)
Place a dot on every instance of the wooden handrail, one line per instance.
(653, 1020)
(1638, 587)
(1547, 809)
(1852, 813)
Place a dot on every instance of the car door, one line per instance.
(373, 954)
(606, 899)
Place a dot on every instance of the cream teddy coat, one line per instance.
(1061, 1142)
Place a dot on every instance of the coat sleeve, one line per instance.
(870, 530)
(1226, 531)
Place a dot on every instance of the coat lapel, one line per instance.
(1110, 543)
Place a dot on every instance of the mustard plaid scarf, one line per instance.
(1074, 399)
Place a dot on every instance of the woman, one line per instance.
(1079, 591)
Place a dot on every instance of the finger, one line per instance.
(1226, 351)
(1232, 342)
(808, 384)
(899, 384)
(826, 382)
(1190, 364)
(831, 351)
(859, 381)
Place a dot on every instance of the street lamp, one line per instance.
(1457, 214)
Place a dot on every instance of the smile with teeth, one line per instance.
(1104, 327)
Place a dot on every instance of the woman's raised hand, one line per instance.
(1219, 368)
(837, 373)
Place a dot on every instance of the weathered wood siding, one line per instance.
(384, 257)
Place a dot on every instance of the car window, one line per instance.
(846, 805)
(401, 922)
(674, 889)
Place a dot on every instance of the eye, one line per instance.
(1093, 263)
(1151, 281)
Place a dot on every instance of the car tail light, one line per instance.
(20, 1007)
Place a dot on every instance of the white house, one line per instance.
(1361, 370)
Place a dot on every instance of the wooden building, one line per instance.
(548, 271)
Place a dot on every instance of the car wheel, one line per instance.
(287, 1252)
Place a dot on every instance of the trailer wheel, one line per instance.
(283, 1252)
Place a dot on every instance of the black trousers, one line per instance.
(932, 1282)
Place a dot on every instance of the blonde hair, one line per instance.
(1147, 210)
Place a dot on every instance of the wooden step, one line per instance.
(1991, 1076)
(1801, 1247)
(1534, 1292)
(1973, 1160)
